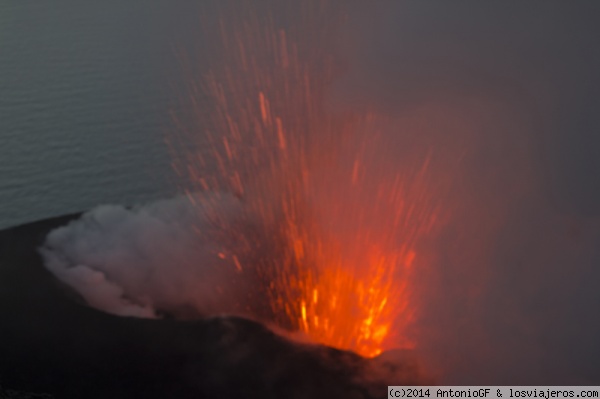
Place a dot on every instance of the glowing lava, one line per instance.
(346, 232)
(356, 310)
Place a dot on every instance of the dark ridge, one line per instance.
(54, 346)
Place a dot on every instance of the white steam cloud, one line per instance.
(147, 260)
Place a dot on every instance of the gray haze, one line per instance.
(515, 296)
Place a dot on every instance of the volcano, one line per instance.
(53, 345)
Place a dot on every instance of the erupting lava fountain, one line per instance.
(336, 229)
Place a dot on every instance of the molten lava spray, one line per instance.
(336, 231)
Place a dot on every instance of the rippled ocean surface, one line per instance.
(85, 94)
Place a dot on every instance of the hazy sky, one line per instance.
(525, 76)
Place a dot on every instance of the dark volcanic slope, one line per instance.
(50, 343)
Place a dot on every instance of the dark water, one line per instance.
(85, 94)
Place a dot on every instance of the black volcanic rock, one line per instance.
(52, 345)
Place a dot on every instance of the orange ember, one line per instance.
(355, 311)
(349, 231)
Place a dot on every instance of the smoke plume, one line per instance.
(149, 261)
